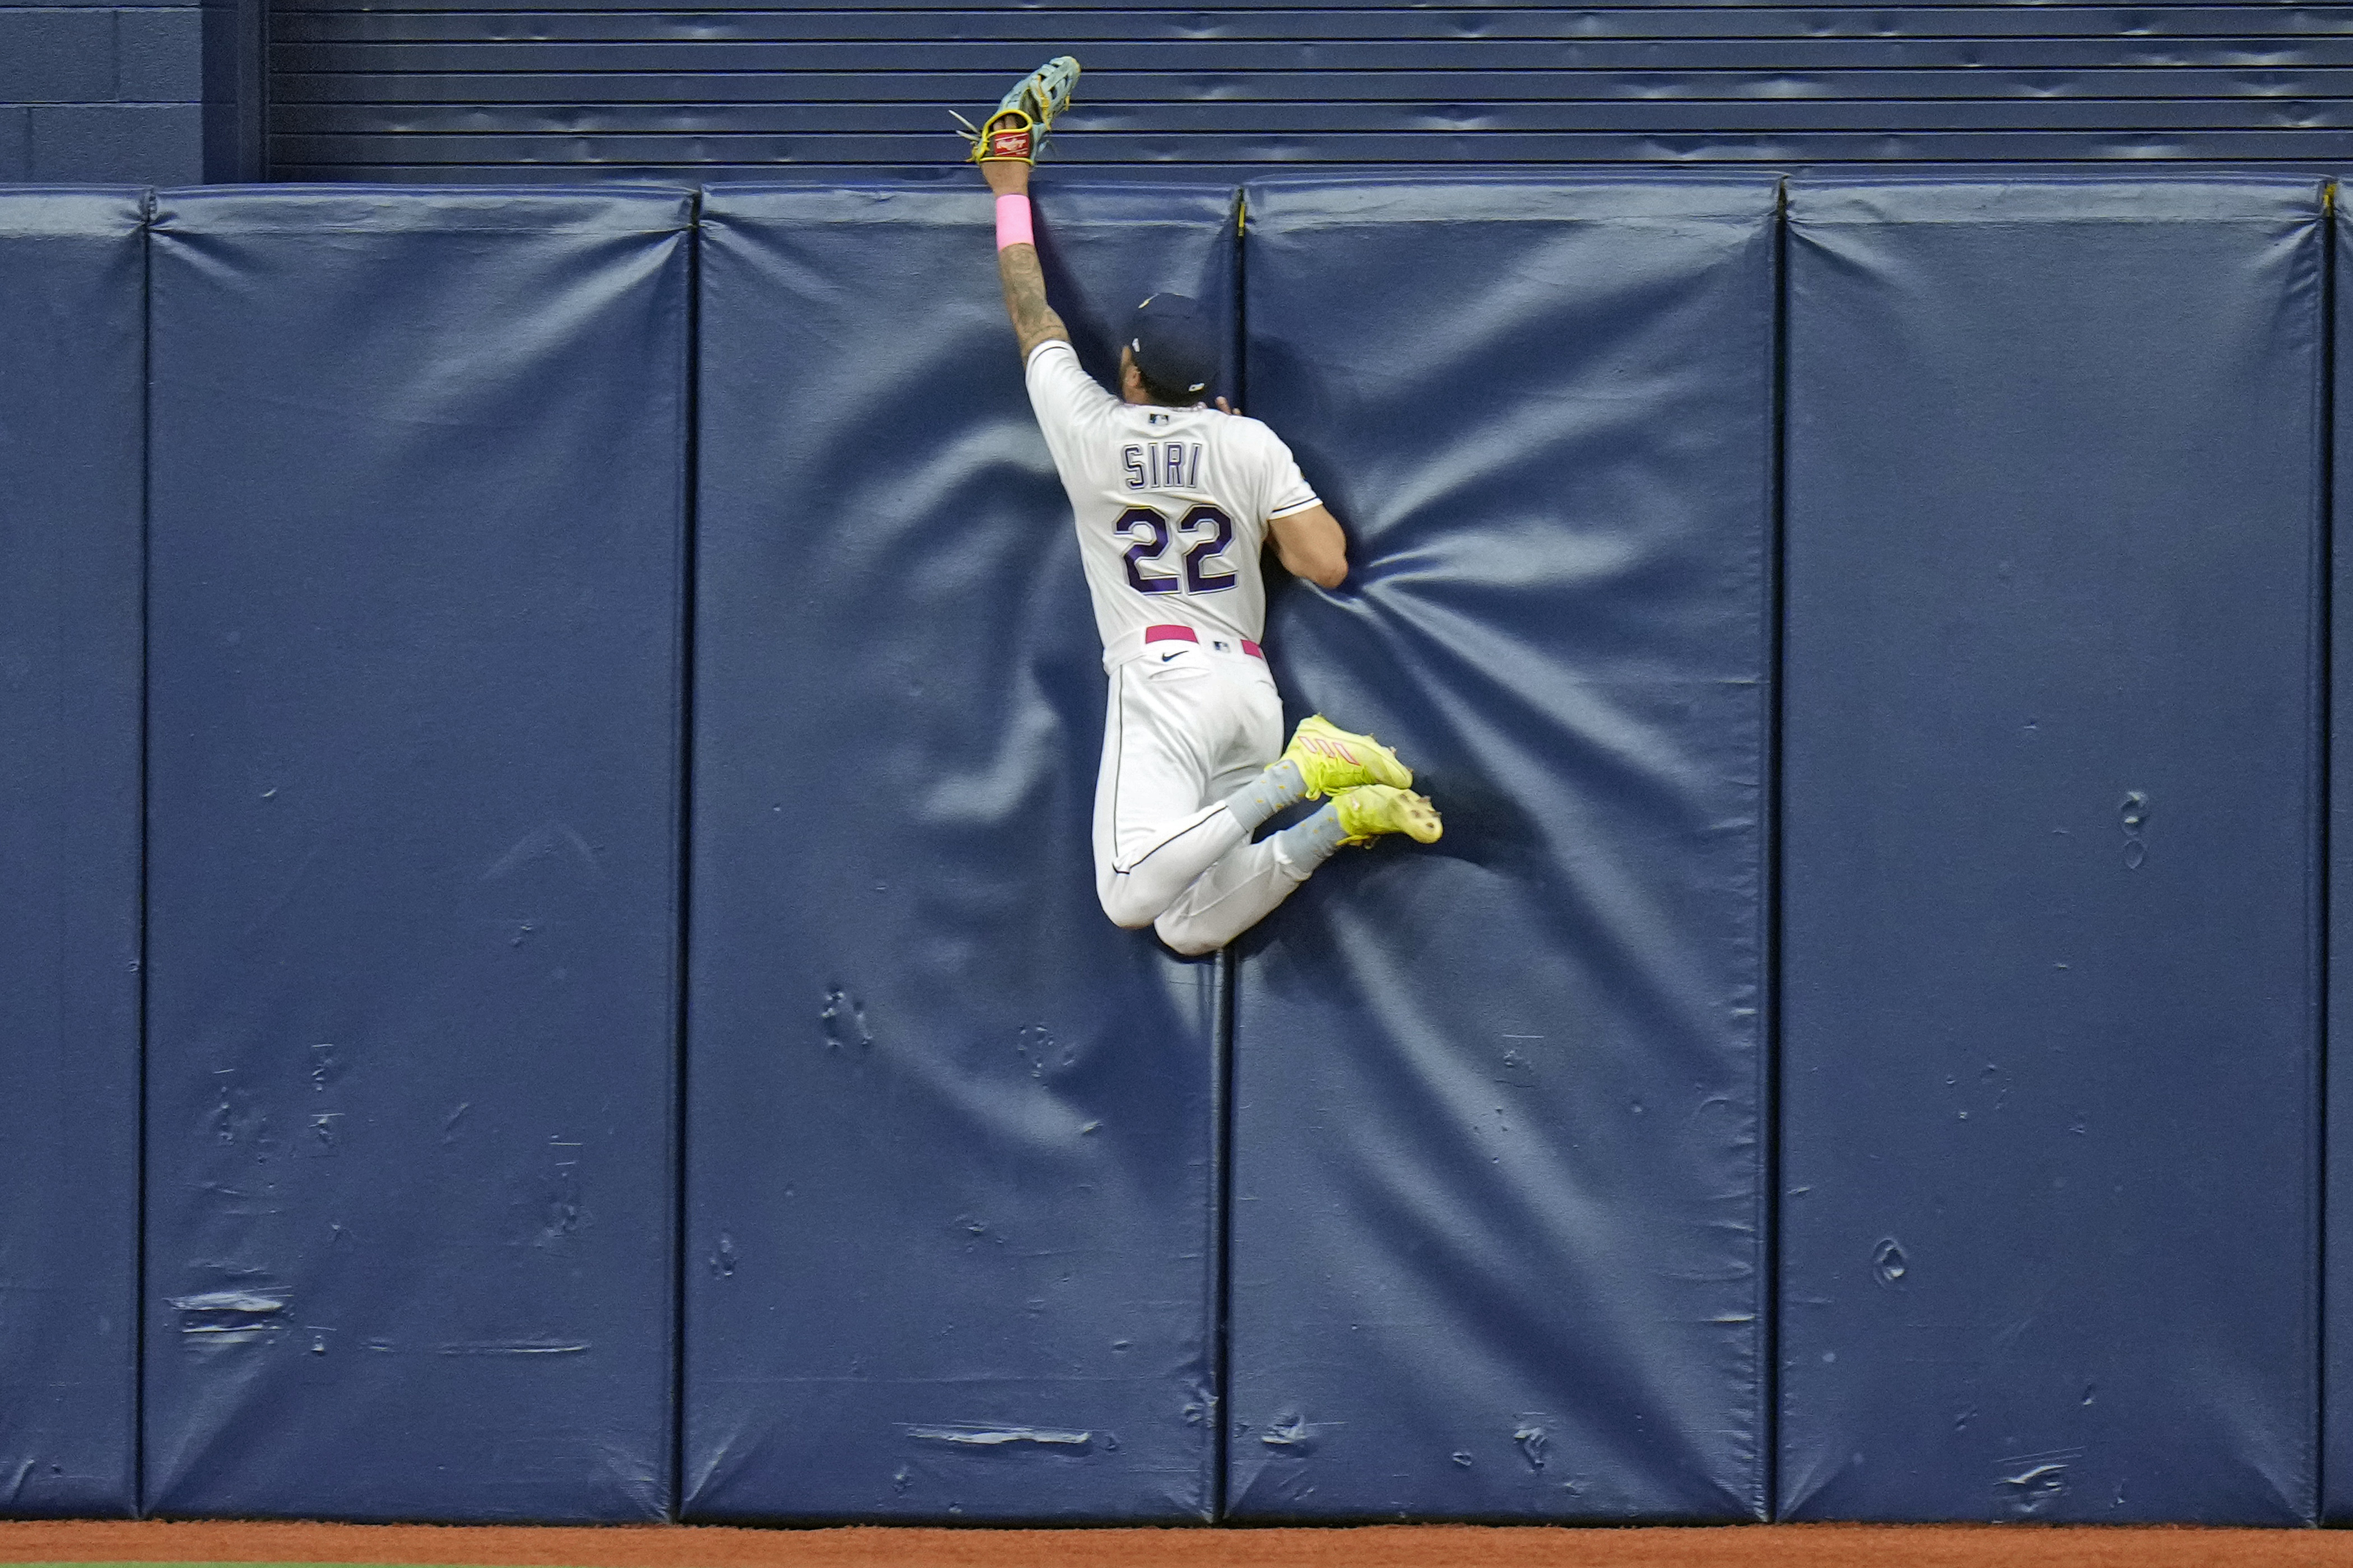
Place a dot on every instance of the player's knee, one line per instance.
(1129, 908)
(1181, 938)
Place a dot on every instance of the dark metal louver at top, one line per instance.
(471, 91)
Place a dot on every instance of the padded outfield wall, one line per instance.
(553, 973)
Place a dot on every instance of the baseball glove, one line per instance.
(1017, 130)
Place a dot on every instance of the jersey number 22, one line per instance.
(1210, 530)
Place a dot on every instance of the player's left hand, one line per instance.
(1007, 177)
(1224, 407)
(1017, 129)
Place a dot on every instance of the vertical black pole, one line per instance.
(236, 91)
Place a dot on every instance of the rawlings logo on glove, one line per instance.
(1009, 134)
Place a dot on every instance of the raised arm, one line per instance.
(1034, 320)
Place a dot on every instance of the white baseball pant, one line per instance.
(1188, 724)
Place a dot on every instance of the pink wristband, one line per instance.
(1013, 221)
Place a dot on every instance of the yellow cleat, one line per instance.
(1370, 810)
(1332, 759)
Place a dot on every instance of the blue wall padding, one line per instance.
(2336, 1244)
(949, 1131)
(1498, 1172)
(2049, 848)
(71, 416)
(418, 493)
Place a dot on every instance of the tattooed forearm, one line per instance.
(1034, 320)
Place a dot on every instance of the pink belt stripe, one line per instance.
(1186, 634)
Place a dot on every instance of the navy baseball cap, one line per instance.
(1174, 344)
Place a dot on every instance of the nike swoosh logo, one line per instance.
(1167, 656)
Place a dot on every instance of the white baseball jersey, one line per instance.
(1172, 504)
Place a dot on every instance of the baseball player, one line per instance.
(1173, 501)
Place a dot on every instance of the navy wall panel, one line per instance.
(101, 91)
(2049, 1026)
(2337, 1243)
(1498, 1174)
(418, 480)
(72, 271)
(950, 1130)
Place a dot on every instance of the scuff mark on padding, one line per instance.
(977, 1435)
(218, 1318)
(542, 843)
